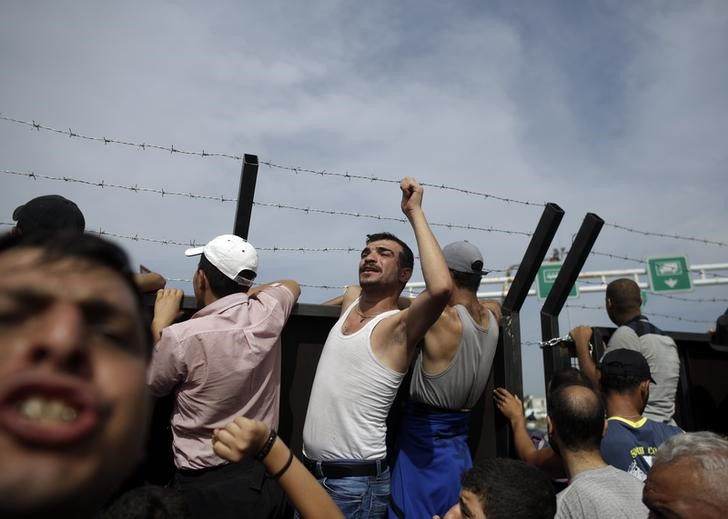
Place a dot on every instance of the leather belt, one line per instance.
(336, 469)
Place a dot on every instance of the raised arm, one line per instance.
(244, 438)
(429, 304)
(582, 335)
(291, 285)
(166, 310)
(512, 408)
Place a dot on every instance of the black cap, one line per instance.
(49, 213)
(623, 362)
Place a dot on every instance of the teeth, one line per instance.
(47, 411)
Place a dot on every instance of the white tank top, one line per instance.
(350, 398)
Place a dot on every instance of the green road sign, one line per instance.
(546, 277)
(669, 274)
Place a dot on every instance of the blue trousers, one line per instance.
(432, 454)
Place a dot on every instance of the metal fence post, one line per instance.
(246, 194)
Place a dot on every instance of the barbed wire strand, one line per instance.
(676, 317)
(171, 149)
(136, 188)
(292, 169)
(665, 235)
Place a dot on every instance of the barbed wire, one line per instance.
(292, 169)
(349, 176)
(136, 188)
(616, 256)
(665, 235)
(667, 316)
(692, 299)
(305, 285)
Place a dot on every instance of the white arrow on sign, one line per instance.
(671, 282)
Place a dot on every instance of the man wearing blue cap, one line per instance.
(449, 376)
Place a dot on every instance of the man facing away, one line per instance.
(631, 440)
(449, 376)
(575, 425)
(74, 346)
(222, 363)
(687, 480)
(364, 360)
(635, 332)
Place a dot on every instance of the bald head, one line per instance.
(623, 300)
(577, 417)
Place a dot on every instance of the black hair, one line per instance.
(68, 244)
(466, 280)
(625, 296)
(406, 258)
(147, 502)
(511, 489)
(577, 415)
(220, 284)
(619, 383)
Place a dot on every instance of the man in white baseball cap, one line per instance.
(222, 363)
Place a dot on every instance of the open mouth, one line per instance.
(49, 410)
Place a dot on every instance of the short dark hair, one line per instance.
(568, 377)
(508, 488)
(577, 415)
(406, 258)
(621, 384)
(220, 284)
(625, 295)
(70, 243)
(148, 501)
(466, 280)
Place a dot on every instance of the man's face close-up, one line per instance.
(379, 263)
(73, 398)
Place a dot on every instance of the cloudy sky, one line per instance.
(615, 108)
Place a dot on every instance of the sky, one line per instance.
(614, 108)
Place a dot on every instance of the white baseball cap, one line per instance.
(230, 254)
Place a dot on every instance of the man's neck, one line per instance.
(624, 319)
(462, 296)
(623, 406)
(577, 462)
(375, 301)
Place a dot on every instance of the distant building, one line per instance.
(534, 407)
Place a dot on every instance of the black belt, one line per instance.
(336, 469)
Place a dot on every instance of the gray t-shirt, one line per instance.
(604, 492)
(660, 351)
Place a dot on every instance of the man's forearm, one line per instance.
(434, 268)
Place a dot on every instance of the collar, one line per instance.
(222, 304)
(635, 425)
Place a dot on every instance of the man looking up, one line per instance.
(635, 332)
(222, 363)
(364, 360)
(74, 345)
(449, 376)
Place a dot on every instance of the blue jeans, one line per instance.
(359, 497)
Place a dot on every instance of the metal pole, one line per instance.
(556, 358)
(246, 193)
(508, 357)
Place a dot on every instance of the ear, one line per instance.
(549, 426)
(405, 274)
(610, 304)
(200, 280)
(604, 429)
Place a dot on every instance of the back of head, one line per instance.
(47, 214)
(511, 489)
(230, 264)
(625, 297)
(708, 452)
(568, 377)
(577, 416)
(406, 257)
(622, 371)
(147, 502)
(466, 264)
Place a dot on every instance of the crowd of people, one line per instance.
(80, 362)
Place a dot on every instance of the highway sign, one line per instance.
(669, 274)
(547, 274)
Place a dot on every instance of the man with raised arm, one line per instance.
(450, 373)
(635, 332)
(364, 360)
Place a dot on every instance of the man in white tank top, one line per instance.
(365, 359)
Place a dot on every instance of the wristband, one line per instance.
(267, 446)
(285, 467)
